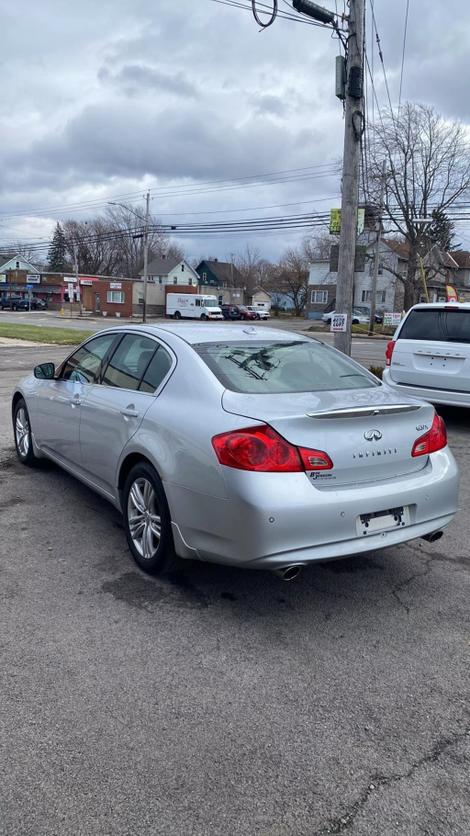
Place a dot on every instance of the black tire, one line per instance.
(176, 315)
(258, 316)
(204, 316)
(23, 440)
(161, 557)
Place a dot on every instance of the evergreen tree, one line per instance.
(56, 257)
(441, 231)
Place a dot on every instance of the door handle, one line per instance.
(130, 412)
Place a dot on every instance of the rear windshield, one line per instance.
(282, 367)
(443, 325)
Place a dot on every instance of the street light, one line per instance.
(146, 245)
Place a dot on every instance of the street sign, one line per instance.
(338, 322)
(115, 285)
(392, 318)
(33, 278)
(70, 288)
(335, 221)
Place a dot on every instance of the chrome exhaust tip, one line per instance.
(431, 538)
(289, 573)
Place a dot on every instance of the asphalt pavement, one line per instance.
(223, 701)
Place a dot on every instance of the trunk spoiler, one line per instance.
(364, 411)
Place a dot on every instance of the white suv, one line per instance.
(429, 356)
(261, 313)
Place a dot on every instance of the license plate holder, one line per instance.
(382, 521)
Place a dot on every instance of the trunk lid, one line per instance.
(367, 433)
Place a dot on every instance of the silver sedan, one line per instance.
(245, 446)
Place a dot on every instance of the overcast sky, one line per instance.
(105, 99)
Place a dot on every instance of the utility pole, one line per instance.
(77, 280)
(375, 272)
(353, 129)
(146, 255)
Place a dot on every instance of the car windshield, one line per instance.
(209, 303)
(282, 367)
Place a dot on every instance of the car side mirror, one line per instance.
(45, 371)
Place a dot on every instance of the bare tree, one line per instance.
(256, 271)
(317, 247)
(112, 244)
(428, 169)
(291, 278)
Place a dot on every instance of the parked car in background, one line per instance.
(360, 316)
(245, 446)
(246, 313)
(261, 313)
(429, 356)
(230, 312)
(11, 303)
(238, 312)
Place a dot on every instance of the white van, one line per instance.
(429, 356)
(192, 306)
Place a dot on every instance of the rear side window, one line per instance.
(156, 372)
(282, 367)
(438, 325)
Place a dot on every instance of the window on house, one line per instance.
(160, 280)
(182, 268)
(175, 279)
(115, 297)
(381, 294)
(17, 265)
(204, 276)
(366, 296)
(190, 281)
(319, 297)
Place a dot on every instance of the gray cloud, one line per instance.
(135, 79)
(137, 93)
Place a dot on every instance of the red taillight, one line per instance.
(435, 439)
(389, 352)
(262, 449)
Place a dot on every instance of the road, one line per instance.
(369, 352)
(223, 701)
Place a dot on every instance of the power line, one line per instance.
(404, 49)
(280, 13)
(184, 190)
(379, 48)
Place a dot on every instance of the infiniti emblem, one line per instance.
(373, 435)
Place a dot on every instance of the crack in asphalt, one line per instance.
(398, 587)
(344, 821)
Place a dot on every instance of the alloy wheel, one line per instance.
(22, 432)
(143, 513)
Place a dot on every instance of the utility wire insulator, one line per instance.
(306, 7)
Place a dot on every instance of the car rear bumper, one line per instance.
(439, 396)
(269, 520)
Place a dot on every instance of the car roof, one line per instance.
(200, 332)
(428, 305)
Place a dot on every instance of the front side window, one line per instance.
(85, 365)
(129, 362)
(282, 367)
(210, 303)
